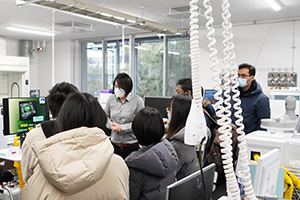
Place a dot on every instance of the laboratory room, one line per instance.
(156, 100)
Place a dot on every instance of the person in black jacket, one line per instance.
(153, 167)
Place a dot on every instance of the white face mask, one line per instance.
(119, 92)
(242, 82)
(169, 117)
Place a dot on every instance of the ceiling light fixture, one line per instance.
(106, 14)
(111, 16)
(26, 30)
(119, 18)
(130, 21)
(275, 4)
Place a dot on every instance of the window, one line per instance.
(93, 68)
(114, 61)
(100, 68)
(149, 66)
(178, 62)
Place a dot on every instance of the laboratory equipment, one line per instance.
(20, 115)
(266, 174)
(282, 79)
(14, 71)
(277, 100)
(283, 123)
(261, 142)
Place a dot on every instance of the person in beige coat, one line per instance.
(78, 162)
(55, 99)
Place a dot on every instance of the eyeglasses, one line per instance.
(243, 75)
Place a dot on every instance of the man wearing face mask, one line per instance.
(121, 109)
(255, 104)
(185, 86)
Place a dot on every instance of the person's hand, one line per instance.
(116, 127)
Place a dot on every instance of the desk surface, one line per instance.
(7, 155)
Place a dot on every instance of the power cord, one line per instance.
(201, 170)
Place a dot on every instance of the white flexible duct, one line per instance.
(231, 66)
(223, 114)
(195, 52)
(231, 181)
(195, 128)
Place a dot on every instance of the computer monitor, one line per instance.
(191, 187)
(209, 95)
(160, 103)
(266, 174)
(20, 115)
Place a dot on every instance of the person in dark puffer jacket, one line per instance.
(153, 167)
(254, 103)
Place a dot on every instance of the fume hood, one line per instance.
(14, 76)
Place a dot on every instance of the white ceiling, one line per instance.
(36, 17)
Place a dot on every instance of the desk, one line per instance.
(5, 154)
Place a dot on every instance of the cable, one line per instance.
(201, 169)
(265, 39)
(293, 47)
(53, 48)
(7, 188)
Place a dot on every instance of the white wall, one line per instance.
(41, 64)
(266, 46)
(63, 65)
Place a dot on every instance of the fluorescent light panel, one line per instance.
(274, 4)
(106, 14)
(25, 30)
(119, 18)
(130, 21)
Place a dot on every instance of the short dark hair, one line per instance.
(81, 109)
(248, 66)
(181, 105)
(186, 84)
(58, 94)
(124, 81)
(148, 126)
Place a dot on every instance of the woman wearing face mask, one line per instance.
(121, 109)
(178, 113)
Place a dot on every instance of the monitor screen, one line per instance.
(209, 95)
(191, 187)
(20, 115)
(266, 174)
(160, 103)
